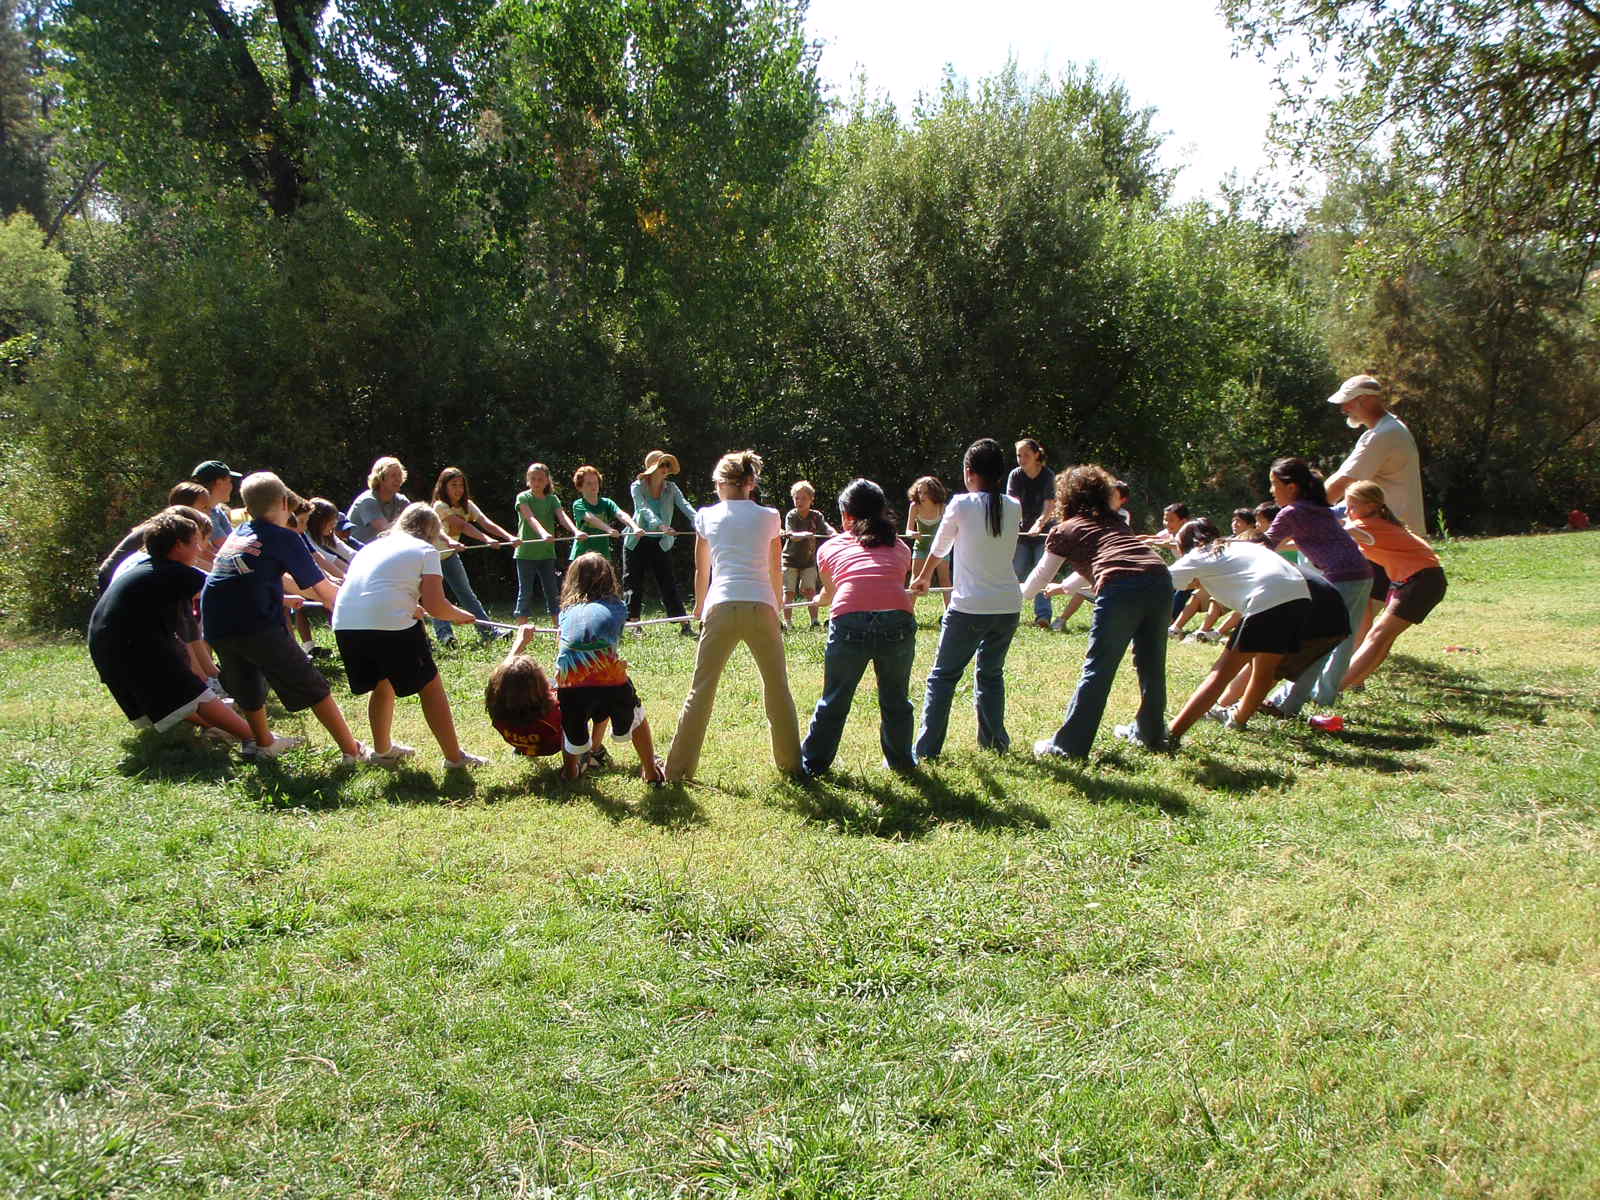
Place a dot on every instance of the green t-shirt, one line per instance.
(607, 511)
(544, 510)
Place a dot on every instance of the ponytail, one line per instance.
(1199, 532)
(1367, 492)
(987, 461)
(1308, 482)
(866, 512)
(737, 468)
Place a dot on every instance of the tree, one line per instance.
(24, 140)
(1492, 101)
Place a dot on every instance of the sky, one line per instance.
(1173, 55)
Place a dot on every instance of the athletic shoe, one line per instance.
(1174, 632)
(281, 744)
(1209, 637)
(397, 753)
(1219, 714)
(1271, 709)
(1130, 734)
(1045, 748)
(1326, 723)
(467, 762)
(686, 629)
(660, 781)
(363, 754)
(1059, 625)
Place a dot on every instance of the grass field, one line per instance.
(1279, 964)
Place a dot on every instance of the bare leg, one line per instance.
(380, 715)
(332, 717)
(1216, 610)
(1376, 648)
(1074, 603)
(788, 599)
(1231, 623)
(1225, 668)
(1262, 668)
(810, 595)
(941, 578)
(200, 659)
(436, 711)
(216, 714)
(1196, 599)
(650, 768)
(1236, 688)
(597, 739)
(256, 719)
(1374, 607)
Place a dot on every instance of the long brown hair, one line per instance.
(444, 480)
(518, 692)
(591, 577)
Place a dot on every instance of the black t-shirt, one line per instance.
(142, 604)
(1033, 494)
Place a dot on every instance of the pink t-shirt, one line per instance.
(865, 580)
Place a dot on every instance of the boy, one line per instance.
(136, 633)
(217, 478)
(803, 524)
(241, 610)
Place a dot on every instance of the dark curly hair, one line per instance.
(1085, 492)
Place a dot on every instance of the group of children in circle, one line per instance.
(194, 620)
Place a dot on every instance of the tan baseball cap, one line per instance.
(1356, 385)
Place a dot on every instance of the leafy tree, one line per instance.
(24, 139)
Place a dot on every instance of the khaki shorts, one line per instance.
(802, 579)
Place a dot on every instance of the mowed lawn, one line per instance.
(1281, 963)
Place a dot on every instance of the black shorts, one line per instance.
(154, 686)
(1418, 596)
(1380, 582)
(188, 624)
(1326, 626)
(580, 706)
(1277, 630)
(402, 656)
(249, 662)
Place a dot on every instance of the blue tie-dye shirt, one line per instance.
(590, 635)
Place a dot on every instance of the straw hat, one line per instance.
(654, 459)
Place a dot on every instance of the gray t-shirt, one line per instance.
(367, 508)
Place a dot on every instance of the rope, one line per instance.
(682, 533)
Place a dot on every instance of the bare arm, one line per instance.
(527, 515)
(702, 576)
(435, 604)
(775, 569)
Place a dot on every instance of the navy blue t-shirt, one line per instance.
(244, 592)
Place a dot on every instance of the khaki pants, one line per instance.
(724, 627)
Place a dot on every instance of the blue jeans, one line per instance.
(1023, 560)
(961, 635)
(460, 590)
(1131, 609)
(540, 572)
(1320, 681)
(888, 641)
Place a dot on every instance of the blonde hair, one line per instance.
(1365, 491)
(262, 492)
(381, 468)
(420, 521)
(801, 485)
(536, 467)
(737, 468)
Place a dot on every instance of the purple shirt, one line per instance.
(1321, 537)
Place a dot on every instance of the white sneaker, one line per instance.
(1219, 714)
(281, 744)
(1130, 734)
(363, 754)
(467, 762)
(397, 753)
(1045, 748)
(1059, 625)
(1208, 637)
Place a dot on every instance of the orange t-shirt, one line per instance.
(1393, 547)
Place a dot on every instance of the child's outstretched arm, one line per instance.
(543, 534)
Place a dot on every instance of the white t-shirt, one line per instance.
(1245, 576)
(985, 583)
(1387, 455)
(739, 534)
(384, 583)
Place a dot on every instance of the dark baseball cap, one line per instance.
(212, 469)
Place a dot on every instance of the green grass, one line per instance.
(1278, 964)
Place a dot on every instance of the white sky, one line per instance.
(1174, 55)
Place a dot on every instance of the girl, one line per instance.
(592, 684)
(384, 649)
(981, 525)
(925, 501)
(738, 589)
(869, 621)
(655, 499)
(1275, 599)
(521, 704)
(1305, 518)
(592, 511)
(460, 519)
(1417, 581)
(539, 515)
(1030, 485)
(1133, 600)
(1075, 586)
(332, 552)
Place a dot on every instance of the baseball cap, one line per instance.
(1356, 385)
(212, 469)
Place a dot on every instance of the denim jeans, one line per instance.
(962, 635)
(460, 590)
(1132, 609)
(1320, 681)
(1023, 560)
(541, 573)
(888, 641)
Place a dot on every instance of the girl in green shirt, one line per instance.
(592, 511)
(539, 519)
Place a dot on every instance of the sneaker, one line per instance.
(599, 756)
(815, 624)
(685, 629)
(308, 650)
(1233, 721)
(1219, 714)
(281, 744)
(1208, 637)
(1130, 733)
(659, 768)
(1045, 748)
(467, 762)
(1174, 632)
(1271, 709)
(1326, 723)
(363, 754)
(1059, 625)
(397, 753)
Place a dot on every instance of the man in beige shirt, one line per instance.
(1386, 453)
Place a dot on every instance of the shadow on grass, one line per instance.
(1099, 788)
(1220, 775)
(1458, 693)
(906, 805)
(666, 808)
(173, 756)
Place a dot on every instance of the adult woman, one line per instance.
(384, 649)
(375, 509)
(1031, 486)
(980, 525)
(655, 497)
(870, 621)
(461, 520)
(1305, 519)
(738, 591)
